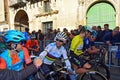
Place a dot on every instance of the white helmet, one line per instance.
(61, 36)
(89, 28)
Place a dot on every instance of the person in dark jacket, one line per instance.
(6, 74)
(110, 39)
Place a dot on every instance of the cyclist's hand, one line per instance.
(70, 71)
(37, 62)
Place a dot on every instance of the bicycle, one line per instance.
(98, 63)
(99, 69)
(59, 72)
(92, 75)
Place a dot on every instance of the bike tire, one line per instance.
(95, 75)
(102, 68)
(40, 76)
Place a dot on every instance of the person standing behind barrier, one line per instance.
(26, 34)
(99, 34)
(49, 36)
(106, 29)
(40, 38)
(110, 39)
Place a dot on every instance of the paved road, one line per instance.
(115, 73)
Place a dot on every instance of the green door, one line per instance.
(100, 14)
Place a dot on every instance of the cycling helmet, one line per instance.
(94, 33)
(62, 36)
(89, 29)
(14, 36)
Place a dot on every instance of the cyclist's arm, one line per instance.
(6, 74)
(107, 39)
(93, 50)
(65, 57)
(2, 64)
(46, 50)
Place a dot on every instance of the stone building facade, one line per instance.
(54, 14)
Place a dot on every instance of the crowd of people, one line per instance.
(15, 59)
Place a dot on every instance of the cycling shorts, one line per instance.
(77, 60)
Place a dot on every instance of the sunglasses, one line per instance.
(21, 43)
(59, 40)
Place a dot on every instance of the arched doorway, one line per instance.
(21, 20)
(100, 14)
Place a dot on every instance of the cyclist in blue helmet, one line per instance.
(14, 36)
(89, 45)
(6, 74)
(14, 57)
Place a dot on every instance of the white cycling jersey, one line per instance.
(51, 53)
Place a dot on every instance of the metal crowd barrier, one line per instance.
(111, 50)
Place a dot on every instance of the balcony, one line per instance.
(33, 1)
(47, 13)
(17, 3)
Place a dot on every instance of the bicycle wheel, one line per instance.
(92, 75)
(40, 76)
(104, 70)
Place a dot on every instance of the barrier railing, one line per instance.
(112, 53)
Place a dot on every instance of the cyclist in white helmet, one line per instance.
(54, 51)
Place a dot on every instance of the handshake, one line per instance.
(37, 62)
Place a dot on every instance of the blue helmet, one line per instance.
(94, 33)
(14, 36)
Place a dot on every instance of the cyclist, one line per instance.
(14, 57)
(89, 40)
(79, 64)
(54, 51)
(6, 74)
(33, 45)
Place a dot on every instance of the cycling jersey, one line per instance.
(32, 44)
(51, 53)
(87, 44)
(14, 61)
(77, 45)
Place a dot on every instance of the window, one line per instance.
(47, 25)
(47, 6)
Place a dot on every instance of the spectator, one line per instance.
(99, 34)
(26, 34)
(33, 45)
(106, 29)
(49, 36)
(40, 38)
(110, 38)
